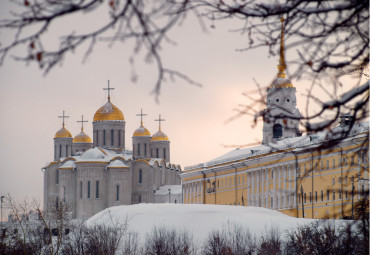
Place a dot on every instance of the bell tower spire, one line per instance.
(281, 66)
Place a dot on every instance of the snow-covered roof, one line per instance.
(163, 190)
(68, 165)
(293, 142)
(117, 164)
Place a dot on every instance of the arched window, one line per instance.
(88, 189)
(97, 189)
(119, 138)
(81, 187)
(144, 149)
(60, 150)
(111, 137)
(157, 152)
(66, 150)
(277, 131)
(140, 176)
(117, 192)
(103, 137)
(57, 181)
(164, 152)
(138, 149)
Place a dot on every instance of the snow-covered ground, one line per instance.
(199, 220)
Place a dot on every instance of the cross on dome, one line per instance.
(82, 122)
(159, 120)
(141, 114)
(63, 117)
(109, 89)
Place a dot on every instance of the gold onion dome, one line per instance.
(281, 81)
(160, 136)
(82, 138)
(108, 112)
(63, 133)
(141, 131)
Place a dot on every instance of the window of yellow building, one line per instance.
(327, 195)
(322, 195)
(333, 162)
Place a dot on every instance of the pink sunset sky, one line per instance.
(30, 102)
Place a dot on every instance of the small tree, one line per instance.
(164, 241)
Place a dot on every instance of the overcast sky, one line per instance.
(30, 103)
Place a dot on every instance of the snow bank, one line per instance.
(199, 220)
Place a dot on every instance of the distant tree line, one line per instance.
(56, 233)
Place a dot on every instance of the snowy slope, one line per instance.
(199, 220)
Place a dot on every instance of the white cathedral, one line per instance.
(89, 176)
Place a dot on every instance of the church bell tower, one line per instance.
(281, 117)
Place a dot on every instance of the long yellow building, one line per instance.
(327, 180)
(317, 176)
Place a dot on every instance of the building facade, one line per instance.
(91, 175)
(315, 176)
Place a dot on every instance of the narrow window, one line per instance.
(277, 131)
(103, 137)
(119, 138)
(139, 198)
(327, 164)
(157, 152)
(144, 149)
(140, 176)
(333, 163)
(272, 174)
(138, 149)
(272, 202)
(66, 150)
(60, 150)
(353, 160)
(327, 194)
(315, 196)
(164, 152)
(340, 194)
(111, 137)
(55, 151)
(97, 189)
(316, 166)
(57, 177)
(322, 165)
(333, 194)
(322, 195)
(88, 189)
(81, 186)
(117, 192)
(97, 138)
(64, 194)
(346, 194)
(305, 200)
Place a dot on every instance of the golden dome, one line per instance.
(108, 112)
(141, 131)
(281, 83)
(160, 136)
(82, 138)
(62, 133)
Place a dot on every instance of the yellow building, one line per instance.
(320, 175)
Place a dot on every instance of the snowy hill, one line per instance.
(199, 220)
